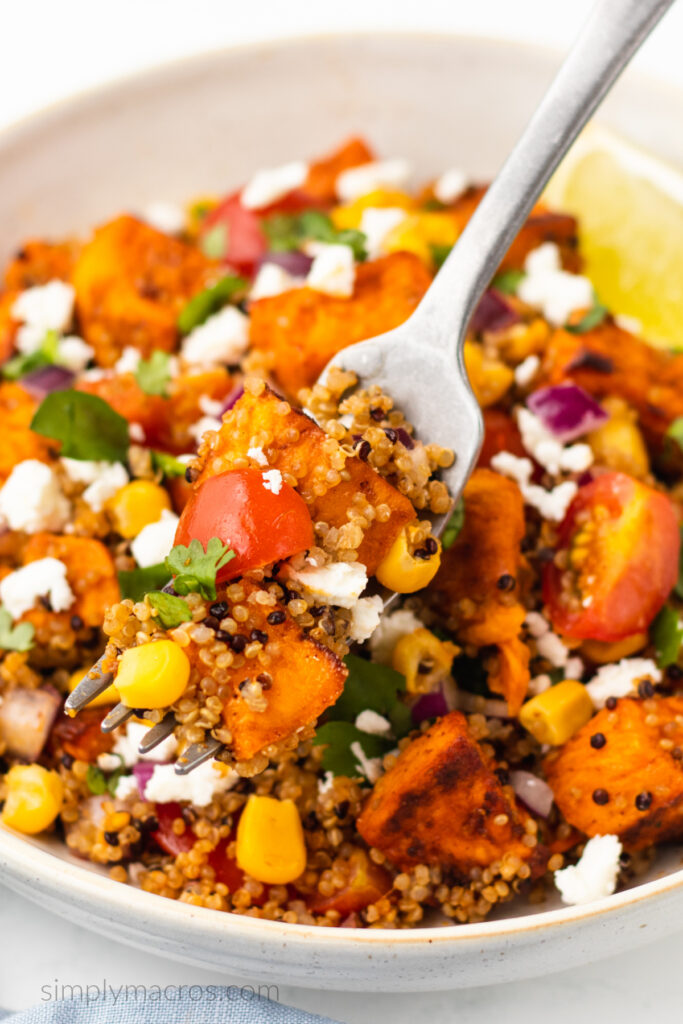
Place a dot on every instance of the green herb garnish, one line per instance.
(453, 526)
(98, 783)
(666, 634)
(171, 611)
(214, 243)
(168, 464)
(593, 318)
(289, 231)
(372, 687)
(508, 281)
(338, 757)
(154, 374)
(45, 355)
(135, 583)
(17, 638)
(201, 306)
(86, 425)
(440, 254)
(195, 569)
(675, 431)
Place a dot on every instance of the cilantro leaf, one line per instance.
(338, 757)
(201, 306)
(195, 569)
(19, 638)
(288, 231)
(135, 583)
(45, 355)
(214, 242)
(372, 687)
(168, 464)
(508, 281)
(666, 634)
(453, 526)
(86, 425)
(154, 374)
(589, 320)
(171, 611)
(440, 253)
(96, 781)
(675, 431)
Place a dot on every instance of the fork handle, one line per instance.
(611, 36)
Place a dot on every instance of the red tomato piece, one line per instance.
(368, 882)
(245, 240)
(621, 543)
(259, 525)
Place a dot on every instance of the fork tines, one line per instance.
(197, 754)
(91, 685)
(117, 716)
(157, 734)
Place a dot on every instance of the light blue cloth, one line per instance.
(194, 1004)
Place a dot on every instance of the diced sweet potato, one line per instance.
(131, 282)
(90, 571)
(303, 329)
(81, 737)
(124, 394)
(501, 434)
(297, 446)
(323, 174)
(38, 262)
(8, 326)
(643, 780)
(441, 803)
(19, 441)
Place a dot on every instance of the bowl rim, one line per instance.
(28, 862)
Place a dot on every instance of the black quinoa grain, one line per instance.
(191, 474)
(76, 622)
(587, 360)
(265, 680)
(677, 754)
(238, 643)
(342, 809)
(364, 448)
(219, 609)
(317, 610)
(422, 553)
(644, 801)
(377, 414)
(645, 688)
(111, 838)
(391, 434)
(598, 740)
(212, 622)
(258, 636)
(276, 618)
(600, 797)
(150, 824)
(431, 545)
(611, 703)
(67, 761)
(506, 582)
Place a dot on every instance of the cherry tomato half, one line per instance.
(245, 241)
(259, 525)
(621, 542)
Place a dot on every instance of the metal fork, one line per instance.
(420, 364)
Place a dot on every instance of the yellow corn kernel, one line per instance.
(399, 570)
(490, 379)
(270, 840)
(136, 505)
(153, 675)
(605, 654)
(423, 659)
(349, 216)
(419, 232)
(34, 798)
(523, 340)
(556, 714)
(110, 695)
(618, 443)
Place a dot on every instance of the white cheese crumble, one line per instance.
(166, 217)
(372, 177)
(128, 361)
(548, 287)
(268, 186)
(272, 480)
(126, 787)
(136, 433)
(31, 499)
(595, 875)
(551, 647)
(527, 370)
(370, 767)
(376, 224)
(154, 541)
(547, 450)
(48, 306)
(365, 617)
(223, 338)
(326, 783)
(127, 742)
(82, 471)
(202, 426)
(74, 353)
(257, 454)
(621, 679)
(573, 668)
(450, 185)
(198, 787)
(273, 280)
(110, 479)
(46, 577)
(391, 628)
(536, 624)
(371, 722)
(539, 684)
(108, 762)
(552, 504)
(211, 406)
(333, 271)
(340, 583)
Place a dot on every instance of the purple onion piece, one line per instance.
(566, 410)
(494, 313)
(232, 399)
(47, 379)
(295, 263)
(143, 772)
(429, 705)
(533, 792)
(26, 717)
(405, 438)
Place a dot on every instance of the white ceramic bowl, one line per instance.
(204, 125)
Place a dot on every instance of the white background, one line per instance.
(51, 48)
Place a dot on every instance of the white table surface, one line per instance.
(53, 49)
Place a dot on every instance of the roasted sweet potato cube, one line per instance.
(19, 441)
(38, 262)
(90, 571)
(131, 282)
(303, 329)
(323, 174)
(642, 779)
(441, 803)
(8, 325)
(297, 446)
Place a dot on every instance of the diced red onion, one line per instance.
(405, 438)
(566, 410)
(429, 705)
(493, 313)
(143, 772)
(47, 379)
(26, 717)
(533, 792)
(295, 263)
(232, 399)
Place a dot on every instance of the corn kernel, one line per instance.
(399, 570)
(423, 659)
(556, 714)
(109, 696)
(270, 840)
(618, 443)
(153, 675)
(605, 654)
(349, 216)
(34, 798)
(490, 379)
(136, 505)
(419, 232)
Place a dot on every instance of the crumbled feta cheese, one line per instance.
(202, 426)
(539, 684)
(391, 628)
(270, 185)
(512, 466)
(574, 668)
(111, 478)
(552, 505)
(370, 767)
(326, 783)
(136, 433)
(167, 217)
(340, 583)
(554, 291)
(74, 353)
(369, 721)
(547, 450)
(372, 177)
(211, 406)
(365, 616)
(450, 185)
(377, 223)
(29, 339)
(95, 374)
(154, 541)
(48, 306)
(621, 679)
(628, 323)
(128, 361)
(46, 577)
(536, 624)
(82, 471)
(273, 280)
(333, 271)
(199, 787)
(595, 875)
(272, 480)
(31, 499)
(127, 742)
(257, 455)
(527, 370)
(108, 762)
(223, 338)
(550, 647)
(126, 787)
